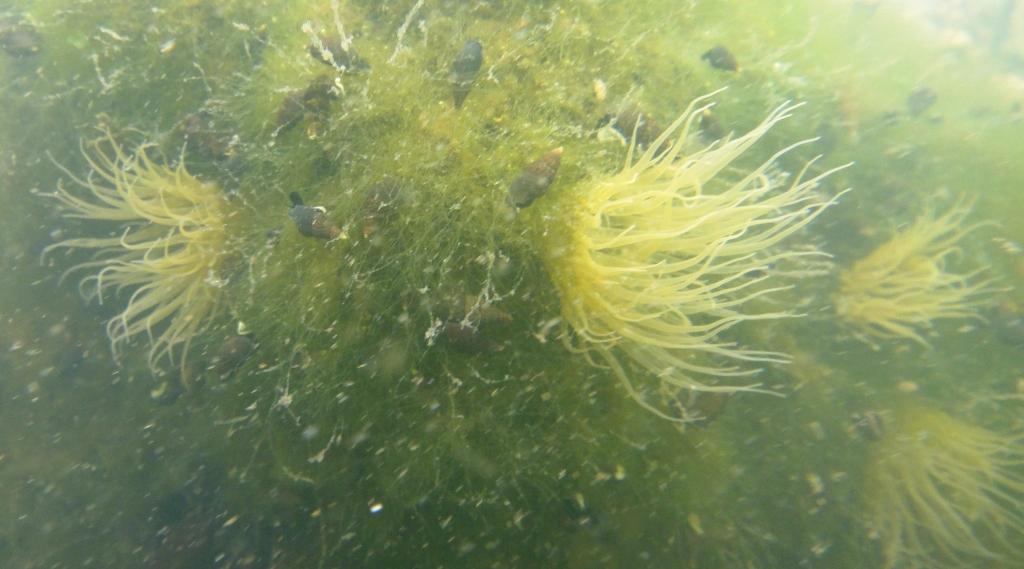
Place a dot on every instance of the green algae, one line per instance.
(364, 430)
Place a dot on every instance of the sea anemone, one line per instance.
(944, 493)
(167, 249)
(656, 261)
(904, 284)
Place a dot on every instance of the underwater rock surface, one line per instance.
(397, 368)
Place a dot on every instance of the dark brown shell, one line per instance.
(232, 353)
(920, 100)
(203, 138)
(20, 41)
(460, 91)
(632, 121)
(312, 103)
(720, 57)
(869, 426)
(534, 181)
(465, 338)
(701, 408)
(464, 70)
(710, 127)
(313, 222)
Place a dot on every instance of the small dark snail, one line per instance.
(534, 180)
(464, 69)
(312, 221)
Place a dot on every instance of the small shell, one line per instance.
(312, 221)
(465, 338)
(20, 41)
(166, 393)
(720, 57)
(534, 181)
(232, 353)
(632, 121)
(464, 69)
(203, 138)
(701, 408)
(710, 127)
(869, 425)
(920, 100)
(313, 103)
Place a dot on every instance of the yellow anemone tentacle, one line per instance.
(168, 252)
(655, 261)
(904, 285)
(944, 493)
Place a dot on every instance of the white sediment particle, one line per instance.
(296, 476)
(318, 457)
(345, 39)
(1009, 247)
(99, 73)
(285, 400)
(620, 473)
(815, 482)
(319, 44)
(694, 521)
(433, 331)
(202, 75)
(309, 432)
(233, 420)
(113, 34)
(402, 29)
(545, 328)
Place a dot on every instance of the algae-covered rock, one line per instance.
(378, 360)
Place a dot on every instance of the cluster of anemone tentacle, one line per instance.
(167, 252)
(942, 493)
(663, 256)
(904, 285)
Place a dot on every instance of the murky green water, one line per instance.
(445, 284)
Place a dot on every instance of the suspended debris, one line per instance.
(334, 51)
(380, 206)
